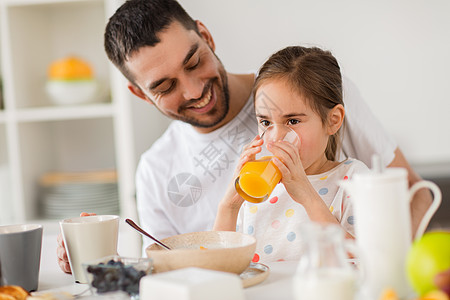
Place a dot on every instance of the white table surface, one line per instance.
(276, 286)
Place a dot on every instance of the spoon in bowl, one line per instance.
(142, 231)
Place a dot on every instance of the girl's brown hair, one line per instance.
(314, 74)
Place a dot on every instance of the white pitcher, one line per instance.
(381, 202)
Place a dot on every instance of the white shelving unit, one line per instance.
(37, 136)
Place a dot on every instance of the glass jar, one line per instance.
(325, 271)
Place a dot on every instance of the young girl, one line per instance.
(302, 89)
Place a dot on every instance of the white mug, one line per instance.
(89, 238)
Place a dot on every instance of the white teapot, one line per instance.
(381, 202)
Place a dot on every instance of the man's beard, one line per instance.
(220, 110)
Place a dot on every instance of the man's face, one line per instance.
(182, 77)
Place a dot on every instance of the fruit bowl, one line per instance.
(116, 273)
(71, 81)
(226, 251)
(71, 92)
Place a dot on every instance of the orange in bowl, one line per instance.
(70, 68)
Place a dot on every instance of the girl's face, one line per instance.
(277, 103)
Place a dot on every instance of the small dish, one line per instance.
(116, 273)
(254, 274)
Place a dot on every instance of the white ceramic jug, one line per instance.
(381, 202)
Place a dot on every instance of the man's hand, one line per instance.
(61, 252)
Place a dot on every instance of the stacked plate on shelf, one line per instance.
(65, 195)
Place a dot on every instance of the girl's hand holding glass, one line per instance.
(231, 199)
(259, 175)
(287, 160)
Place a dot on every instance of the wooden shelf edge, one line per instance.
(60, 113)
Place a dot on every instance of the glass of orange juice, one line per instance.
(258, 177)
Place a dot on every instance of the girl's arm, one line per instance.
(227, 213)
(230, 204)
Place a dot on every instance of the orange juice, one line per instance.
(257, 180)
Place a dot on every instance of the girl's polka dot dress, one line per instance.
(275, 223)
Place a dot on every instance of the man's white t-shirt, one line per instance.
(183, 176)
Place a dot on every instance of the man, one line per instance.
(170, 63)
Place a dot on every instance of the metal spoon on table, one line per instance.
(142, 231)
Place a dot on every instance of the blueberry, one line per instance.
(141, 274)
(111, 262)
(95, 269)
(102, 287)
(119, 263)
(133, 289)
(114, 276)
(132, 272)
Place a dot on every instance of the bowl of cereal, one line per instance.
(226, 251)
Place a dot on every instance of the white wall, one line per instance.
(396, 52)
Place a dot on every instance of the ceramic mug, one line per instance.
(20, 255)
(89, 238)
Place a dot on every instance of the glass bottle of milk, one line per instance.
(324, 270)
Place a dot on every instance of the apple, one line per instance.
(428, 257)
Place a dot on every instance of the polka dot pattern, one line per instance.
(268, 249)
(323, 191)
(291, 236)
(289, 213)
(351, 220)
(250, 229)
(276, 224)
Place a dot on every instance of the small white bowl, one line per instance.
(72, 92)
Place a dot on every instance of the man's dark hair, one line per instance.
(136, 24)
